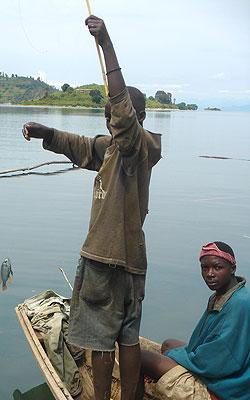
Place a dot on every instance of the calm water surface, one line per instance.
(44, 219)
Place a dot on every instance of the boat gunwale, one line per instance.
(55, 383)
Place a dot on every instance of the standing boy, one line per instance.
(216, 362)
(110, 278)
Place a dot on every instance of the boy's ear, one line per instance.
(141, 115)
(233, 269)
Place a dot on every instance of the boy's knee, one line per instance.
(165, 346)
(171, 344)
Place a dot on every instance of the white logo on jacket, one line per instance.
(99, 193)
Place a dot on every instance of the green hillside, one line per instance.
(29, 91)
(15, 89)
(91, 95)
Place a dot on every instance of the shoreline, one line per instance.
(48, 106)
(79, 107)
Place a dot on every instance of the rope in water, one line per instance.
(28, 170)
(33, 167)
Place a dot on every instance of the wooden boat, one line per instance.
(56, 385)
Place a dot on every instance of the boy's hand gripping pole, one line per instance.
(99, 55)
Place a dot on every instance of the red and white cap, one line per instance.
(211, 249)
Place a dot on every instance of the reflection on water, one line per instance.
(18, 110)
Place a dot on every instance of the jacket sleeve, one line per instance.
(126, 130)
(78, 149)
(127, 133)
(221, 354)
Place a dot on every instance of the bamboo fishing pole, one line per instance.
(99, 55)
(66, 278)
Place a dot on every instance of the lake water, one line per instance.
(44, 219)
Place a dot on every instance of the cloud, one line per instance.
(167, 87)
(235, 92)
(58, 84)
(218, 76)
(42, 75)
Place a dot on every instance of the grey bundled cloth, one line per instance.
(49, 314)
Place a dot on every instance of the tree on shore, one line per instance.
(182, 106)
(192, 107)
(96, 96)
(65, 87)
(163, 97)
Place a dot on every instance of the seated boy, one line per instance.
(215, 364)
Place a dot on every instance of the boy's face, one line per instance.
(217, 273)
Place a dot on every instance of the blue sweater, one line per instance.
(219, 349)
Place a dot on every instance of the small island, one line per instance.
(212, 109)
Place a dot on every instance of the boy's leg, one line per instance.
(129, 354)
(102, 364)
(139, 395)
(130, 365)
(153, 365)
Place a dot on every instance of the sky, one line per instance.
(196, 49)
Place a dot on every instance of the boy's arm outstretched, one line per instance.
(78, 149)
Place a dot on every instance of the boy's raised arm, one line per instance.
(98, 29)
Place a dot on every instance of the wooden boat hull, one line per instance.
(55, 384)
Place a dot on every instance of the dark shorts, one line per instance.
(105, 307)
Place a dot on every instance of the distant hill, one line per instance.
(212, 109)
(29, 91)
(15, 89)
(91, 95)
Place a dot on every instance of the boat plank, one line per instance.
(56, 386)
